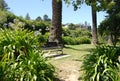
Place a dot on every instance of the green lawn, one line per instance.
(66, 66)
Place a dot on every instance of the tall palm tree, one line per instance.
(56, 29)
(93, 4)
(94, 26)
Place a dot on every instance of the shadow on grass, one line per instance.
(85, 49)
(57, 79)
(56, 56)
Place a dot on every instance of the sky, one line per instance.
(37, 8)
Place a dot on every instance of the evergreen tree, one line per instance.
(38, 18)
(111, 24)
(46, 18)
(27, 17)
(3, 5)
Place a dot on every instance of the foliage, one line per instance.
(102, 64)
(75, 41)
(76, 33)
(2, 18)
(36, 26)
(40, 26)
(21, 58)
(28, 68)
(38, 18)
(71, 26)
(103, 39)
(77, 36)
(13, 42)
(3, 5)
(43, 38)
(10, 17)
(46, 18)
(27, 17)
(111, 26)
(65, 31)
(76, 3)
(17, 24)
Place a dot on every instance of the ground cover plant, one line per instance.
(102, 64)
(21, 58)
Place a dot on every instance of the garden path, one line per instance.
(68, 70)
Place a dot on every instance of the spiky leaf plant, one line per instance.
(102, 64)
(21, 58)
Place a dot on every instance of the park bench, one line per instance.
(53, 47)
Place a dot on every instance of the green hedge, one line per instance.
(75, 41)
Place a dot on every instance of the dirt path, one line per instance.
(68, 70)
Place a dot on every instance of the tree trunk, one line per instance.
(94, 27)
(110, 40)
(56, 29)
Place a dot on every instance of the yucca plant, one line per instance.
(102, 64)
(21, 58)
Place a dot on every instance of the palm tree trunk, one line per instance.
(94, 25)
(56, 29)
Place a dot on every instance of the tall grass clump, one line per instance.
(21, 58)
(103, 64)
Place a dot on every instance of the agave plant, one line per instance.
(102, 64)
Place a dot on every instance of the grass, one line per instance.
(66, 66)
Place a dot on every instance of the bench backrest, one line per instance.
(51, 44)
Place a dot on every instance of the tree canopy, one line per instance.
(3, 5)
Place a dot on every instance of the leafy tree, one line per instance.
(56, 29)
(3, 5)
(71, 26)
(40, 26)
(111, 24)
(27, 17)
(46, 18)
(93, 4)
(96, 5)
(38, 18)
(2, 18)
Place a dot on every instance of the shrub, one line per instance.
(43, 38)
(28, 68)
(14, 42)
(75, 41)
(102, 64)
(84, 40)
(21, 58)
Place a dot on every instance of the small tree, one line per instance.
(3, 5)
(46, 18)
(111, 23)
(38, 18)
(27, 17)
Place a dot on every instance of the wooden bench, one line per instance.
(53, 46)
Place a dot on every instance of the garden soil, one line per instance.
(68, 70)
